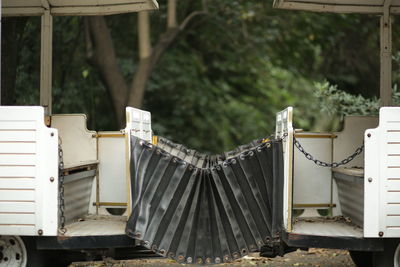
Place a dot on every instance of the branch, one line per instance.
(147, 65)
(192, 15)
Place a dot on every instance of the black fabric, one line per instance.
(229, 206)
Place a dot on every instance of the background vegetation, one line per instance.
(226, 74)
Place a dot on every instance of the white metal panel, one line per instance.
(112, 172)
(17, 195)
(17, 159)
(17, 148)
(18, 217)
(47, 191)
(351, 137)
(372, 205)
(17, 171)
(23, 124)
(393, 208)
(78, 143)
(284, 128)
(382, 194)
(17, 136)
(19, 229)
(29, 157)
(393, 160)
(138, 123)
(17, 183)
(17, 207)
(307, 176)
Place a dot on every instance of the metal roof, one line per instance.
(74, 7)
(340, 6)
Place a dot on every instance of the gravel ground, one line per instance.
(313, 257)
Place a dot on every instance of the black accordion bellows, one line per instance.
(203, 209)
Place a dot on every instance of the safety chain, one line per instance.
(358, 151)
(61, 188)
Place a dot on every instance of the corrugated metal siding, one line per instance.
(205, 215)
(351, 197)
(77, 191)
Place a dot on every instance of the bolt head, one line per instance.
(51, 179)
(381, 234)
(370, 179)
(51, 134)
(368, 134)
(40, 232)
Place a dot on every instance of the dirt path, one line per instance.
(314, 257)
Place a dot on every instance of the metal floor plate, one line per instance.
(97, 225)
(326, 227)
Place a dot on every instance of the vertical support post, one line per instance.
(171, 19)
(144, 34)
(386, 56)
(46, 61)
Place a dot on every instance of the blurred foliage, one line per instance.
(226, 76)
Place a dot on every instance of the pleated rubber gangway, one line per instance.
(202, 209)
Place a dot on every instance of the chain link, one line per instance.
(358, 151)
(61, 187)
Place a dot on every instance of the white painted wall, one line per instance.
(28, 159)
(382, 165)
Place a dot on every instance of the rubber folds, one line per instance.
(204, 209)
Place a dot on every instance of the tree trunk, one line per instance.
(102, 54)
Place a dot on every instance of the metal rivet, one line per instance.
(51, 179)
(381, 233)
(370, 179)
(51, 134)
(368, 134)
(40, 232)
